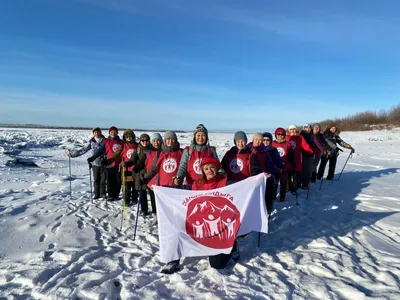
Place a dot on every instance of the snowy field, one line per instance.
(341, 243)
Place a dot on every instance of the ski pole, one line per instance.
(350, 155)
(138, 205)
(259, 238)
(70, 177)
(90, 179)
(297, 195)
(123, 217)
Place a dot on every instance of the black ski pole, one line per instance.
(350, 155)
(138, 206)
(90, 179)
(70, 177)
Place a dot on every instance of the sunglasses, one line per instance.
(280, 134)
(145, 140)
(129, 136)
(266, 140)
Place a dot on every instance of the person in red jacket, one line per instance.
(189, 166)
(307, 146)
(125, 154)
(209, 179)
(164, 168)
(152, 155)
(109, 146)
(236, 161)
(299, 146)
(286, 152)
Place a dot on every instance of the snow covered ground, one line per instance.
(341, 243)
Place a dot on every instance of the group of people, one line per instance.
(289, 159)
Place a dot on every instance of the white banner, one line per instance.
(205, 223)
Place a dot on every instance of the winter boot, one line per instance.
(171, 267)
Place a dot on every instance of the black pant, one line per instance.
(283, 180)
(153, 201)
(130, 192)
(294, 179)
(220, 261)
(269, 195)
(332, 165)
(99, 181)
(144, 206)
(113, 182)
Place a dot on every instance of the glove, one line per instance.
(352, 150)
(105, 162)
(177, 181)
(123, 164)
(90, 160)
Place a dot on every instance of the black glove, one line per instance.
(105, 162)
(352, 150)
(90, 160)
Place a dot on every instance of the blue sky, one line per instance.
(231, 65)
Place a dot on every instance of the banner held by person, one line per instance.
(204, 223)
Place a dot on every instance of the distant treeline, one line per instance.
(38, 126)
(384, 119)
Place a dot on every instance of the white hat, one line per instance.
(292, 126)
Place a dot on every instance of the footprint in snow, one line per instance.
(42, 238)
(55, 227)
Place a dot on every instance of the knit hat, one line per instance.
(96, 129)
(170, 135)
(200, 128)
(306, 126)
(113, 128)
(155, 136)
(240, 135)
(292, 126)
(144, 136)
(317, 125)
(210, 160)
(268, 135)
(129, 132)
(280, 130)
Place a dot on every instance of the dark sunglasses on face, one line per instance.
(144, 140)
(266, 140)
(280, 134)
(128, 136)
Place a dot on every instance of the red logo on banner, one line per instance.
(213, 221)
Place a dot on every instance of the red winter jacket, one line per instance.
(214, 183)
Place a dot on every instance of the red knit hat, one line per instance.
(210, 160)
(280, 130)
(113, 128)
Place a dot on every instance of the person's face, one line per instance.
(170, 142)
(333, 129)
(210, 170)
(266, 141)
(156, 143)
(129, 138)
(97, 134)
(292, 131)
(257, 140)
(240, 144)
(113, 133)
(280, 137)
(200, 138)
(316, 129)
(307, 129)
(144, 141)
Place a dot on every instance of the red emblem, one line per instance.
(213, 221)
